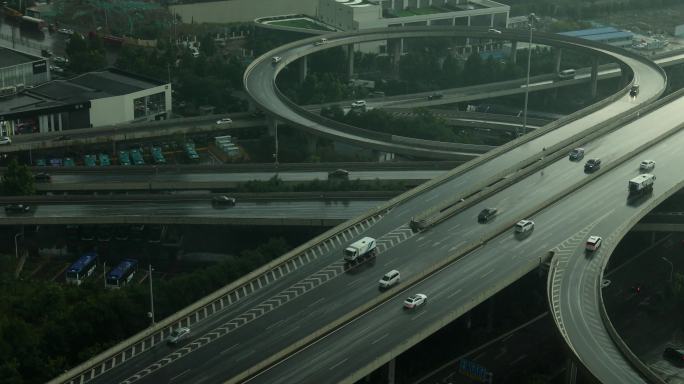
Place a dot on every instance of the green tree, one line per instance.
(85, 54)
(17, 180)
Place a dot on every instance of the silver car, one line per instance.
(177, 335)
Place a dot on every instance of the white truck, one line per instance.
(360, 248)
(641, 184)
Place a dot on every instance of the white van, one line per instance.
(321, 41)
(566, 74)
(390, 278)
(523, 226)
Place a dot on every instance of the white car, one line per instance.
(225, 120)
(5, 140)
(322, 40)
(593, 243)
(66, 31)
(415, 301)
(178, 335)
(359, 104)
(276, 59)
(390, 278)
(523, 226)
(647, 165)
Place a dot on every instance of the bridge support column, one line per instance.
(571, 372)
(514, 52)
(303, 69)
(350, 61)
(391, 371)
(395, 45)
(273, 131)
(558, 57)
(594, 77)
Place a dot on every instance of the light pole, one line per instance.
(151, 313)
(531, 19)
(275, 155)
(16, 245)
(671, 267)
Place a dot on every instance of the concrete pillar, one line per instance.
(514, 52)
(467, 42)
(303, 64)
(491, 20)
(594, 77)
(273, 131)
(394, 46)
(571, 372)
(558, 56)
(350, 61)
(392, 367)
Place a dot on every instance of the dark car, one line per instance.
(674, 355)
(223, 200)
(435, 96)
(487, 214)
(42, 177)
(17, 208)
(338, 174)
(592, 165)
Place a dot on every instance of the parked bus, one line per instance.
(122, 274)
(82, 268)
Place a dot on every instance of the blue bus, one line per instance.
(122, 274)
(82, 268)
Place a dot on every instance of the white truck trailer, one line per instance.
(641, 184)
(360, 248)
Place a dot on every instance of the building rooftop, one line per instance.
(10, 57)
(82, 88)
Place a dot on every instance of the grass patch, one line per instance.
(300, 23)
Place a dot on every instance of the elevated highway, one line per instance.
(269, 315)
(152, 178)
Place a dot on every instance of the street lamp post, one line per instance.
(16, 245)
(531, 19)
(671, 267)
(151, 314)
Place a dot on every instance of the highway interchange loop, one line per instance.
(260, 83)
(457, 262)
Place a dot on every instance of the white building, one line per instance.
(92, 99)
(356, 15)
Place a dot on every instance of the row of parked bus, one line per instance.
(125, 157)
(85, 267)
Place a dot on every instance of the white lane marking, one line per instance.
(487, 273)
(229, 348)
(518, 360)
(421, 313)
(353, 282)
(432, 198)
(179, 375)
(456, 292)
(381, 337)
(275, 324)
(290, 331)
(316, 302)
(244, 355)
(389, 262)
(338, 364)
